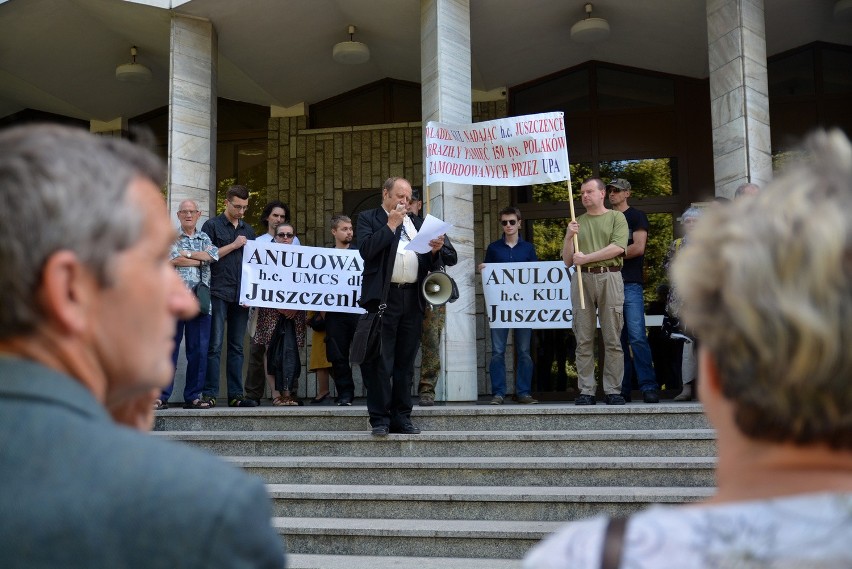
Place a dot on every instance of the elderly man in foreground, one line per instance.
(766, 285)
(87, 323)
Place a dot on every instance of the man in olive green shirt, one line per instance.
(602, 241)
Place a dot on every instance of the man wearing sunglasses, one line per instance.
(633, 337)
(510, 248)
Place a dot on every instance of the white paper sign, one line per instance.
(527, 295)
(301, 278)
(432, 228)
(515, 151)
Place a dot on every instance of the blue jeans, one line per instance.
(237, 319)
(197, 334)
(524, 369)
(634, 334)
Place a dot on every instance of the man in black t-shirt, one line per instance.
(229, 232)
(633, 333)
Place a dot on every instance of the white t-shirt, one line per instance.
(812, 531)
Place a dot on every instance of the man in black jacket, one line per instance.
(382, 235)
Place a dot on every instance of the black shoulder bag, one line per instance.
(367, 341)
(202, 292)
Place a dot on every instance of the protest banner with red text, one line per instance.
(515, 151)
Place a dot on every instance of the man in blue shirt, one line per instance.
(229, 233)
(191, 256)
(510, 249)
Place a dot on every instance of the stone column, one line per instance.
(445, 78)
(739, 94)
(192, 114)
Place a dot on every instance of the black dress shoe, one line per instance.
(380, 431)
(344, 403)
(408, 429)
(651, 396)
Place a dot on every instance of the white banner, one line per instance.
(515, 151)
(301, 278)
(527, 295)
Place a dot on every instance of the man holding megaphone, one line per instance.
(390, 285)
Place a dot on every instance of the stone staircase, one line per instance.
(476, 489)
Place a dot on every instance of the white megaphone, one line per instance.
(438, 288)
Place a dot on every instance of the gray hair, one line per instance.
(691, 212)
(66, 190)
(192, 201)
(743, 189)
(766, 286)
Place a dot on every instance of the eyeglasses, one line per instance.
(614, 190)
(238, 207)
(188, 212)
(285, 235)
(506, 222)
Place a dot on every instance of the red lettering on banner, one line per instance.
(468, 170)
(481, 134)
(435, 149)
(540, 125)
(547, 145)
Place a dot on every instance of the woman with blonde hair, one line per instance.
(766, 285)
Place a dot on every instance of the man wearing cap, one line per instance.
(633, 337)
(602, 240)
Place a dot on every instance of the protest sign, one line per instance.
(515, 151)
(301, 278)
(527, 295)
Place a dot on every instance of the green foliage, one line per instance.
(660, 237)
(252, 178)
(652, 177)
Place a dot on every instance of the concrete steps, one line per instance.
(413, 537)
(461, 471)
(662, 442)
(544, 417)
(306, 561)
(522, 503)
(476, 489)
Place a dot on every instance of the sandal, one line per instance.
(197, 404)
(159, 404)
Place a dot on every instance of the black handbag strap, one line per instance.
(613, 544)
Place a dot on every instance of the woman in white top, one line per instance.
(766, 285)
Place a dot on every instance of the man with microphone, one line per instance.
(382, 235)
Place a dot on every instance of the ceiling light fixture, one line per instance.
(351, 52)
(591, 29)
(133, 72)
